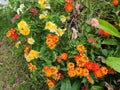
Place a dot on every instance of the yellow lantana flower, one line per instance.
(51, 26)
(48, 25)
(22, 24)
(63, 18)
(42, 16)
(42, 6)
(41, 1)
(23, 28)
(32, 55)
(30, 40)
(60, 31)
(17, 44)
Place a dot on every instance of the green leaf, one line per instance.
(65, 84)
(76, 85)
(110, 41)
(106, 26)
(114, 63)
(63, 69)
(97, 88)
(105, 52)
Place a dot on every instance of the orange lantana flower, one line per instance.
(26, 50)
(95, 66)
(50, 83)
(50, 71)
(98, 73)
(115, 2)
(85, 72)
(89, 65)
(64, 56)
(104, 70)
(51, 40)
(32, 67)
(12, 33)
(70, 65)
(55, 38)
(57, 76)
(68, 7)
(71, 73)
(78, 71)
(81, 49)
(54, 70)
(52, 45)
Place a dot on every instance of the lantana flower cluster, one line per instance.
(80, 66)
(41, 37)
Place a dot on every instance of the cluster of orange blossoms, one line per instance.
(51, 40)
(83, 66)
(12, 33)
(53, 73)
(68, 6)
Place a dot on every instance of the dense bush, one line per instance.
(72, 44)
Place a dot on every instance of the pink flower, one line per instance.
(91, 40)
(16, 16)
(94, 22)
(100, 32)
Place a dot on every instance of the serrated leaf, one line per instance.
(114, 63)
(106, 26)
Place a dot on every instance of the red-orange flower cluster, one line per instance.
(51, 40)
(68, 6)
(12, 33)
(102, 32)
(81, 60)
(98, 72)
(83, 66)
